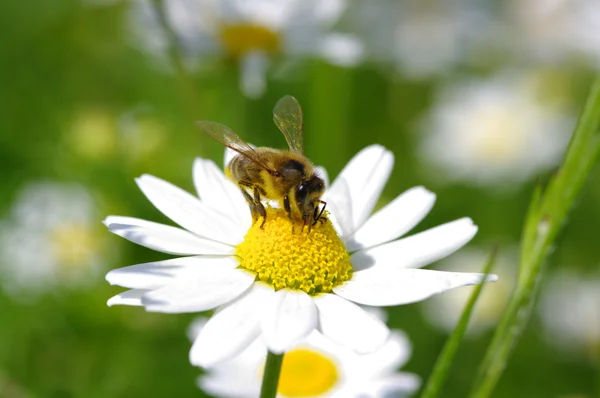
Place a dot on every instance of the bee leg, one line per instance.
(315, 215)
(287, 207)
(251, 204)
(307, 221)
(288, 210)
(260, 208)
(318, 217)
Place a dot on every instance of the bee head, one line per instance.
(308, 192)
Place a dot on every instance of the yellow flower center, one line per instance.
(503, 139)
(292, 257)
(307, 373)
(73, 244)
(239, 39)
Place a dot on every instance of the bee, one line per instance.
(285, 176)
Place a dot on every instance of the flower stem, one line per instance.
(547, 214)
(182, 76)
(271, 375)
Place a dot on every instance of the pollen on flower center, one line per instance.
(314, 262)
(307, 373)
(239, 39)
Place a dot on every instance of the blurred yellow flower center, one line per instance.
(503, 139)
(239, 39)
(93, 134)
(73, 244)
(307, 373)
(314, 262)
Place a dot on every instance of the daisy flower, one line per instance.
(282, 284)
(552, 31)
(569, 312)
(420, 38)
(445, 311)
(493, 132)
(315, 367)
(250, 32)
(49, 238)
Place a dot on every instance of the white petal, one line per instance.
(253, 79)
(189, 212)
(392, 355)
(394, 385)
(341, 49)
(199, 292)
(350, 325)
(163, 238)
(365, 175)
(159, 273)
(290, 317)
(394, 220)
(232, 328)
(420, 249)
(238, 382)
(326, 12)
(218, 192)
(129, 297)
(385, 286)
(339, 204)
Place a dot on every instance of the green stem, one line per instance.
(184, 80)
(271, 376)
(444, 361)
(547, 214)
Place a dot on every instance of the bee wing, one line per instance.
(287, 115)
(225, 136)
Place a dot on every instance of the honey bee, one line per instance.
(285, 176)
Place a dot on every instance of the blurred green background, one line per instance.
(83, 104)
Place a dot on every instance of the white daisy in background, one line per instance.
(493, 132)
(279, 284)
(422, 38)
(445, 311)
(50, 238)
(554, 30)
(315, 367)
(569, 308)
(97, 134)
(250, 32)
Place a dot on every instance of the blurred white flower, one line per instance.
(50, 238)
(250, 32)
(554, 30)
(98, 134)
(316, 367)
(444, 312)
(493, 132)
(422, 38)
(569, 308)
